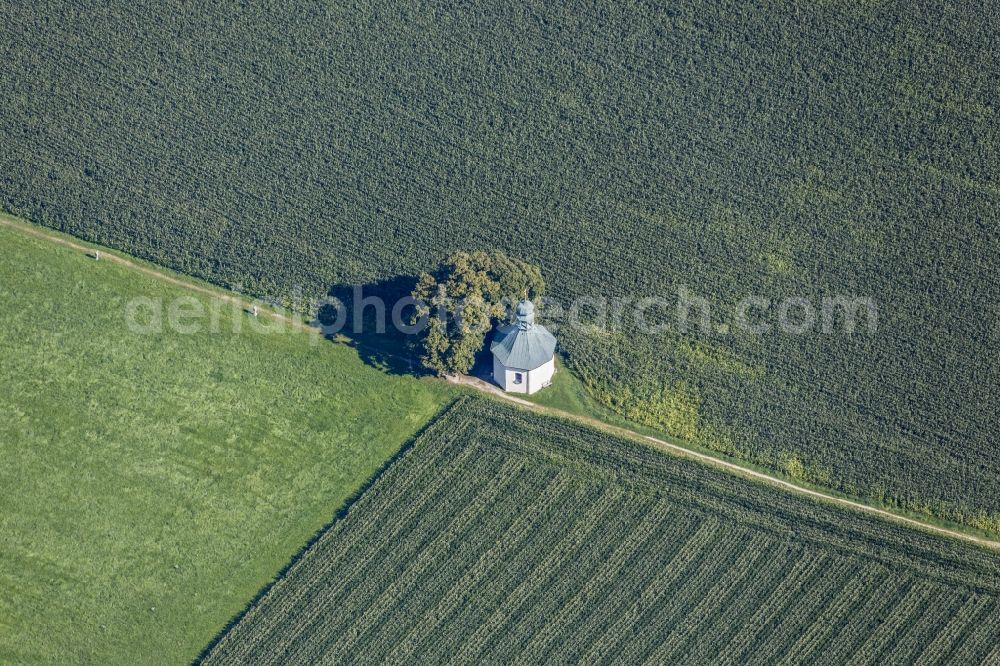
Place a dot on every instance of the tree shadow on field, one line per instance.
(374, 319)
(483, 366)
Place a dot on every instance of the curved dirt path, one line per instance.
(163, 276)
(480, 385)
(729, 466)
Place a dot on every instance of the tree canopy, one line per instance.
(463, 299)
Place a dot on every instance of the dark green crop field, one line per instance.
(505, 537)
(783, 149)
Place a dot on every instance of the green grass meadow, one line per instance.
(153, 483)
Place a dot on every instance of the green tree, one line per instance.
(463, 299)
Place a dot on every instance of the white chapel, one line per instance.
(523, 353)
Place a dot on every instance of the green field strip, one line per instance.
(413, 564)
(727, 618)
(930, 621)
(598, 580)
(449, 534)
(560, 551)
(491, 591)
(863, 621)
(773, 604)
(676, 603)
(615, 594)
(814, 597)
(980, 639)
(456, 492)
(541, 607)
(437, 582)
(682, 562)
(951, 635)
(307, 592)
(586, 537)
(724, 589)
(919, 594)
(855, 588)
(456, 586)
